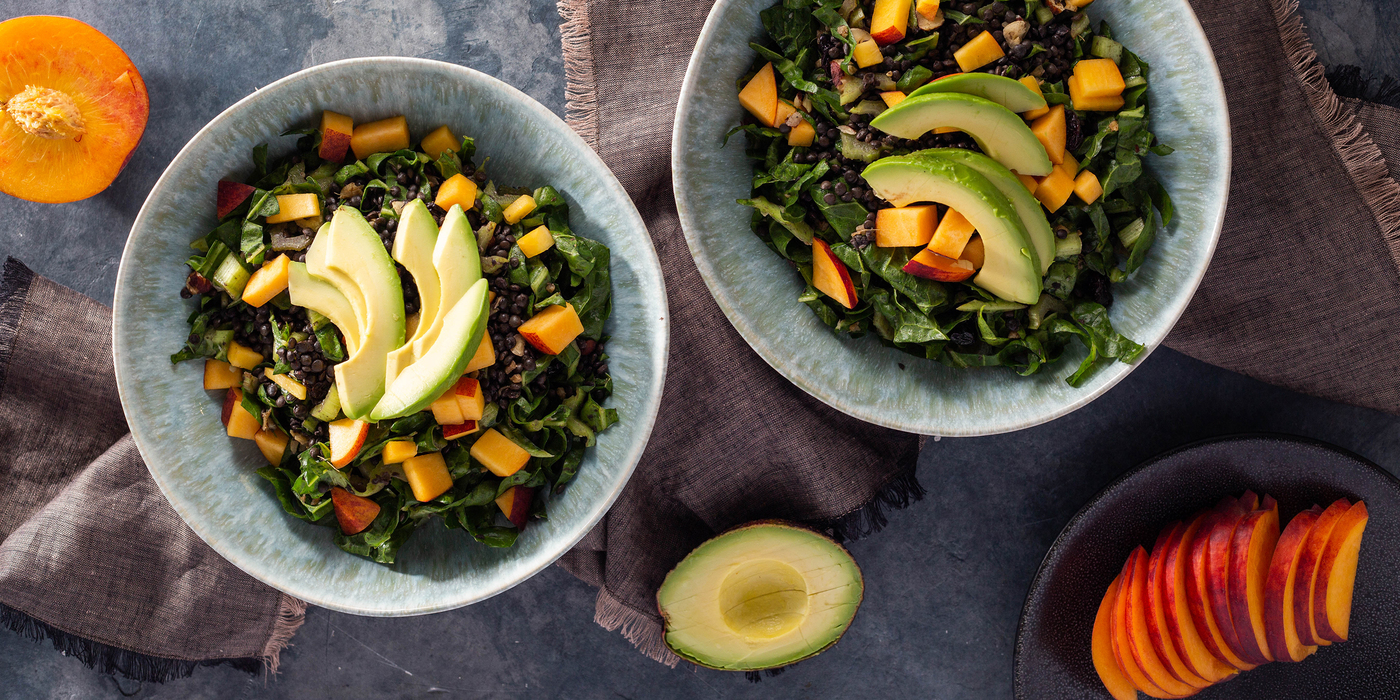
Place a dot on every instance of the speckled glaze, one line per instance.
(758, 290)
(209, 478)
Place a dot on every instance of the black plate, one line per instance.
(1052, 643)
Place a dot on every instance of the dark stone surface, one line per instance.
(944, 582)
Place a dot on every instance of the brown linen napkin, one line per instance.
(91, 554)
(1300, 293)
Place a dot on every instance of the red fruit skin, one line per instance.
(520, 508)
(232, 194)
(231, 399)
(354, 513)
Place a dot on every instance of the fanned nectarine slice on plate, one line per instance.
(1118, 627)
(1157, 629)
(1181, 628)
(74, 109)
(1306, 581)
(1114, 679)
(1336, 575)
(1251, 551)
(1279, 621)
(1198, 590)
(1135, 627)
(1218, 551)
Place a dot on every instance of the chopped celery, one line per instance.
(855, 149)
(1043, 15)
(230, 276)
(1079, 25)
(870, 107)
(1129, 234)
(1068, 247)
(1104, 47)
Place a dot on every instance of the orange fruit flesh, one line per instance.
(1114, 680)
(70, 57)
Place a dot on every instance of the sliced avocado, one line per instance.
(321, 297)
(329, 408)
(998, 131)
(1011, 269)
(352, 257)
(458, 266)
(422, 382)
(1011, 94)
(414, 241)
(763, 595)
(316, 265)
(1027, 207)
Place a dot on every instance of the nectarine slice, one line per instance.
(1122, 648)
(889, 20)
(347, 436)
(1306, 582)
(231, 194)
(354, 513)
(1336, 575)
(1251, 551)
(760, 96)
(336, 131)
(1198, 591)
(1218, 552)
(1279, 620)
(1114, 679)
(75, 109)
(830, 276)
(1181, 628)
(515, 503)
(1157, 631)
(1139, 641)
(940, 268)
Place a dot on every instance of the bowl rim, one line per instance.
(652, 395)
(776, 359)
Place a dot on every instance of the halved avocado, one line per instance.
(1011, 94)
(1027, 206)
(1011, 269)
(458, 265)
(312, 292)
(762, 595)
(414, 241)
(998, 131)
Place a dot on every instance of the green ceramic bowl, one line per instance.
(758, 290)
(209, 477)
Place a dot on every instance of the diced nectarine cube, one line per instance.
(427, 475)
(1054, 189)
(1029, 182)
(952, 235)
(458, 189)
(867, 53)
(285, 381)
(336, 130)
(1050, 130)
(519, 209)
(241, 356)
(1070, 164)
(785, 110)
(830, 276)
(927, 8)
(452, 432)
(383, 136)
(1084, 103)
(354, 513)
(347, 436)
(485, 354)
(905, 226)
(442, 139)
(975, 252)
(396, 451)
(983, 49)
(940, 268)
(760, 96)
(291, 207)
(893, 97)
(272, 443)
(241, 423)
(552, 329)
(1031, 82)
(515, 503)
(499, 454)
(221, 375)
(889, 19)
(470, 398)
(1087, 186)
(230, 195)
(1098, 77)
(802, 135)
(446, 410)
(536, 241)
(267, 282)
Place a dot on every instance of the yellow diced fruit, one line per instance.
(1084, 103)
(552, 329)
(1031, 82)
(446, 410)
(485, 354)
(242, 356)
(983, 49)
(272, 443)
(975, 252)
(383, 136)
(892, 97)
(506, 501)
(1054, 189)
(802, 135)
(1098, 77)
(221, 375)
(267, 282)
(1029, 182)
(335, 135)
(427, 475)
(470, 398)
(760, 96)
(1087, 186)
(396, 451)
(1050, 130)
(458, 189)
(1070, 164)
(442, 139)
(241, 423)
(867, 53)
(332, 121)
(291, 207)
(927, 8)
(785, 110)
(905, 226)
(498, 454)
(519, 209)
(536, 241)
(889, 19)
(285, 381)
(952, 235)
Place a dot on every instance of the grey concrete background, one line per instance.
(945, 580)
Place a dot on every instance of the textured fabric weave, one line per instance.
(91, 554)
